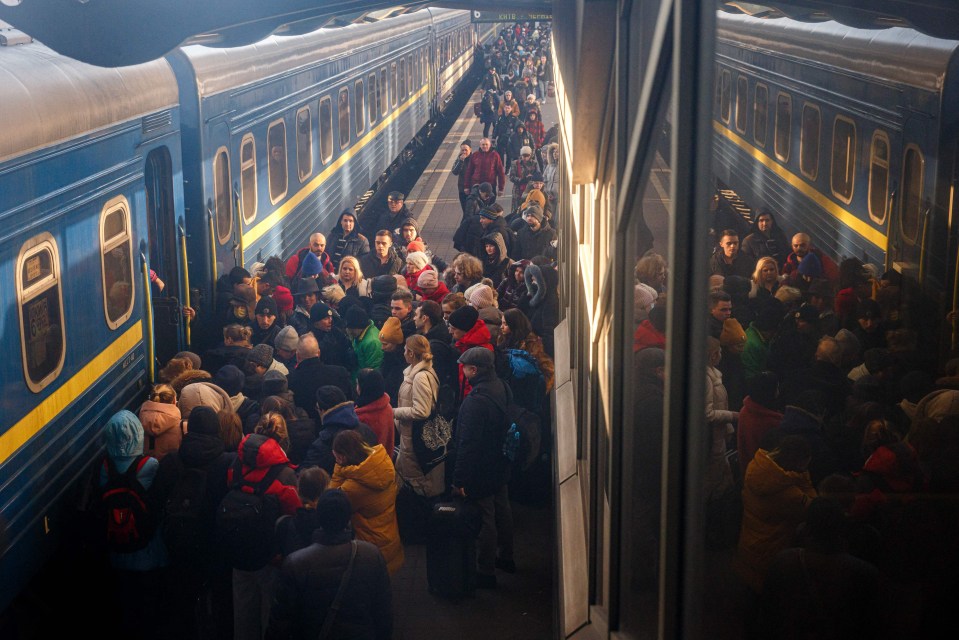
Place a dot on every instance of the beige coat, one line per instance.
(415, 401)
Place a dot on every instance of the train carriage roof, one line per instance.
(77, 98)
(898, 55)
(219, 70)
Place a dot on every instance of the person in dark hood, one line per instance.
(542, 282)
(481, 196)
(345, 239)
(336, 414)
(766, 238)
(537, 237)
(389, 216)
(495, 260)
(512, 292)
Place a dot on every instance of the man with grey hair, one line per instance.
(310, 374)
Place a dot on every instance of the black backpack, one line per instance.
(187, 526)
(246, 520)
(125, 508)
(522, 443)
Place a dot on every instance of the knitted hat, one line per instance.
(392, 331)
(525, 151)
(312, 266)
(416, 247)
(409, 222)
(385, 285)
(536, 176)
(428, 280)
(357, 318)
(266, 306)
(206, 394)
(286, 339)
(284, 299)
(482, 297)
(464, 318)
(491, 213)
(644, 296)
(192, 357)
(534, 210)
(467, 143)
(478, 357)
(810, 266)
(535, 196)
(230, 379)
(261, 354)
(203, 421)
(333, 293)
(274, 383)
(807, 313)
(328, 396)
(319, 312)
(302, 286)
(418, 258)
(732, 334)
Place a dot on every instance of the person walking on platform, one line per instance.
(480, 197)
(459, 170)
(520, 172)
(489, 106)
(486, 165)
(504, 131)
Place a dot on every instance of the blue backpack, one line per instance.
(526, 381)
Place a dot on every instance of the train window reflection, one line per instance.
(326, 130)
(343, 117)
(221, 190)
(725, 100)
(276, 142)
(843, 173)
(761, 114)
(784, 116)
(912, 169)
(809, 141)
(402, 76)
(360, 108)
(742, 100)
(382, 92)
(304, 143)
(116, 259)
(248, 178)
(41, 311)
(879, 177)
(374, 97)
(393, 84)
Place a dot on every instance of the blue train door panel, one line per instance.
(221, 204)
(912, 206)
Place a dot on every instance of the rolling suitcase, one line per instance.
(451, 549)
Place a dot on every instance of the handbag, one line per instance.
(477, 109)
(430, 439)
(335, 607)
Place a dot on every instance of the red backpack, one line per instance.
(126, 510)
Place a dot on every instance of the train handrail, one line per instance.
(239, 227)
(186, 282)
(145, 269)
(209, 215)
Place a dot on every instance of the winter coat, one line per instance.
(495, 266)
(742, 265)
(371, 266)
(537, 131)
(504, 130)
(798, 422)
(755, 421)
(543, 302)
(383, 218)
(161, 428)
(335, 419)
(530, 244)
(512, 103)
(459, 170)
(379, 416)
(830, 269)
(417, 397)
(774, 503)
(258, 454)
(294, 265)
(646, 335)
(475, 203)
(480, 467)
(490, 103)
(519, 139)
(310, 375)
(336, 348)
(340, 245)
(486, 167)
(371, 488)
(755, 352)
(477, 336)
(369, 353)
(438, 294)
(475, 243)
(511, 294)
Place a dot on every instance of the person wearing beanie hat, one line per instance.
(274, 383)
(261, 357)
(427, 280)
(537, 237)
(192, 357)
(284, 300)
(416, 263)
(365, 339)
(644, 297)
(409, 231)
(230, 379)
(870, 328)
(265, 327)
(431, 287)
(463, 319)
(810, 268)
(284, 345)
(416, 246)
(732, 337)
(312, 266)
(520, 171)
(481, 297)
(391, 334)
(205, 394)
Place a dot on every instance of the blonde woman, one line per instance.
(351, 278)
(765, 280)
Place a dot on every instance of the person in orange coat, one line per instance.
(777, 491)
(366, 475)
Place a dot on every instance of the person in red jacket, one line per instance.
(468, 331)
(802, 244)
(758, 416)
(485, 165)
(651, 332)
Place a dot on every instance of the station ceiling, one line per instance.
(121, 32)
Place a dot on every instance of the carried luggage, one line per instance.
(478, 109)
(246, 520)
(451, 548)
(125, 508)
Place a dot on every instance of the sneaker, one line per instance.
(485, 581)
(509, 566)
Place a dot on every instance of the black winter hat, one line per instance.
(328, 396)
(464, 318)
(203, 420)
(320, 311)
(230, 379)
(274, 383)
(266, 306)
(384, 284)
(357, 317)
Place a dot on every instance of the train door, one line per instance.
(221, 203)
(163, 251)
(911, 206)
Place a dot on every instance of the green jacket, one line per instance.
(369, 353)
(755, 352)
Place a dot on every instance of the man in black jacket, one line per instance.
(336, 413)
(310, 374)
(480, 471)
(310, 579)
(383, 260)
(389, 217)
(336, 348)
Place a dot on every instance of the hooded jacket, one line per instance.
(379, 416)
(369, 353)
(335, 419)
(258, 454)
(352, 244)
(161, 427)
(511, 294)
(758, 245)
(371, 488)
(495, 267)
(530, 244)
(478, 336)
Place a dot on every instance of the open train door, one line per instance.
(164, 248)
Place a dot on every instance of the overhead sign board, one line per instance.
(512, 16)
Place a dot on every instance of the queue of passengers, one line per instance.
(833, 438)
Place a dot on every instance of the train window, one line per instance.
(809, 141)
(374, 97)
(42, 334)
(343, 117)
(760, 114)
(843, 172)
(784, 117)
(304, 143)
(911, 207)
(742, 102)
(724, 102)
(116, 259)
(402, 76)
(360, 114)
(879, 177)
(409, 66)
(393, 83)
(383, 92)
(248, 178)
(276, 143)
(326, 129)
(221, 191)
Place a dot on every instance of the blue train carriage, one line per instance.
(825, 125)
(282, 135)
(454, 43)
(89, 166)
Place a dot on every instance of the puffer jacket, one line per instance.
(417, 396)
(379, 416)
(369, 352)
(480, 466)
(258, 454)
(774, 503)
(371, 488)
(161, 428)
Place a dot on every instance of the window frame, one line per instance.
(248, 138)
(879, 134)
(269, 161)
(783, 157)
(359, 114)
(812, 175)
(339, 118)
(742, 107)
(403, 89)
(393, 85)
(374, 103)
(911, 240)
(411, 75)
(119, 203)
(222, 238)
(765, 127)
(725, 96)
(850, 161)
(384, 88)
(30, 248)
(299, 171)
(324, 157)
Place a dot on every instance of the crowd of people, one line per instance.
(355, 382)
(833, 438)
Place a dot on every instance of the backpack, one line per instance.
(246, 520)
(187, 525)
(522, 442)
(525, 380)
(125, 508)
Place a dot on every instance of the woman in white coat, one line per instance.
(416, 399)
(720, 420)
